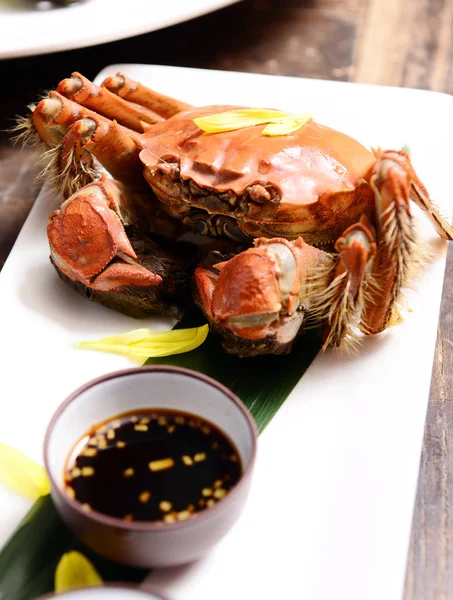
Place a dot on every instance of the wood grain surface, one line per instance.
(389, 42)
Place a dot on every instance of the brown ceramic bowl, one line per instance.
(105, 592)
(142, 543)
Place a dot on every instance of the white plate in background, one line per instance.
(25, 29)
(331, 504)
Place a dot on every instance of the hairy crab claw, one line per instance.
(262, 298)
(97, 248)
(258, 299)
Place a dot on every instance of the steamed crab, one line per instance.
(326, 224)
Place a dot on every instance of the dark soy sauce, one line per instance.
(160, 465)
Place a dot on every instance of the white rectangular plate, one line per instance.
(27, 29)
(330, 509)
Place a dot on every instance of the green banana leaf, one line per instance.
(263, 383)
(29, 559)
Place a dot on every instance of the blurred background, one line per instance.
(387, 42)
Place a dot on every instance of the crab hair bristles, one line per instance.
(371, 289)
(70, 175)
(317, 289)
(341, 315)
(23, 131)
(436, 215)
(400, 238)
(421, 255)
(333, 305)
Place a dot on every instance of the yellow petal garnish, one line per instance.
(141, 344)
(21, 474)
(75, 571)
(278, 122)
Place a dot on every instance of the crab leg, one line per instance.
(397, 251)
(421, 197)
(102, 101)
(85, 134)
(339, 305)
(418, 192)
(134, 91)
(112, 147)
(53, 115)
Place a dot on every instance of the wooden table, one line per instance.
(387, 42)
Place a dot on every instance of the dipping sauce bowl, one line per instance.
(105, 592)
(147, 543)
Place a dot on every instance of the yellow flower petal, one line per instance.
(75, 571)
(177, 335)
(237, 119)
(131, 337)
(138, 346)
(278, 122)
(286, 126)
(22, 474)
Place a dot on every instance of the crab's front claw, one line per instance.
(109, 263)
(257, 300)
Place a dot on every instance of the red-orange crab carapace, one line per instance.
(326, 224)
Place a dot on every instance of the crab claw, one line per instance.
(91, 250)
(257, 300)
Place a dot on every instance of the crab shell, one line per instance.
(311, 183)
